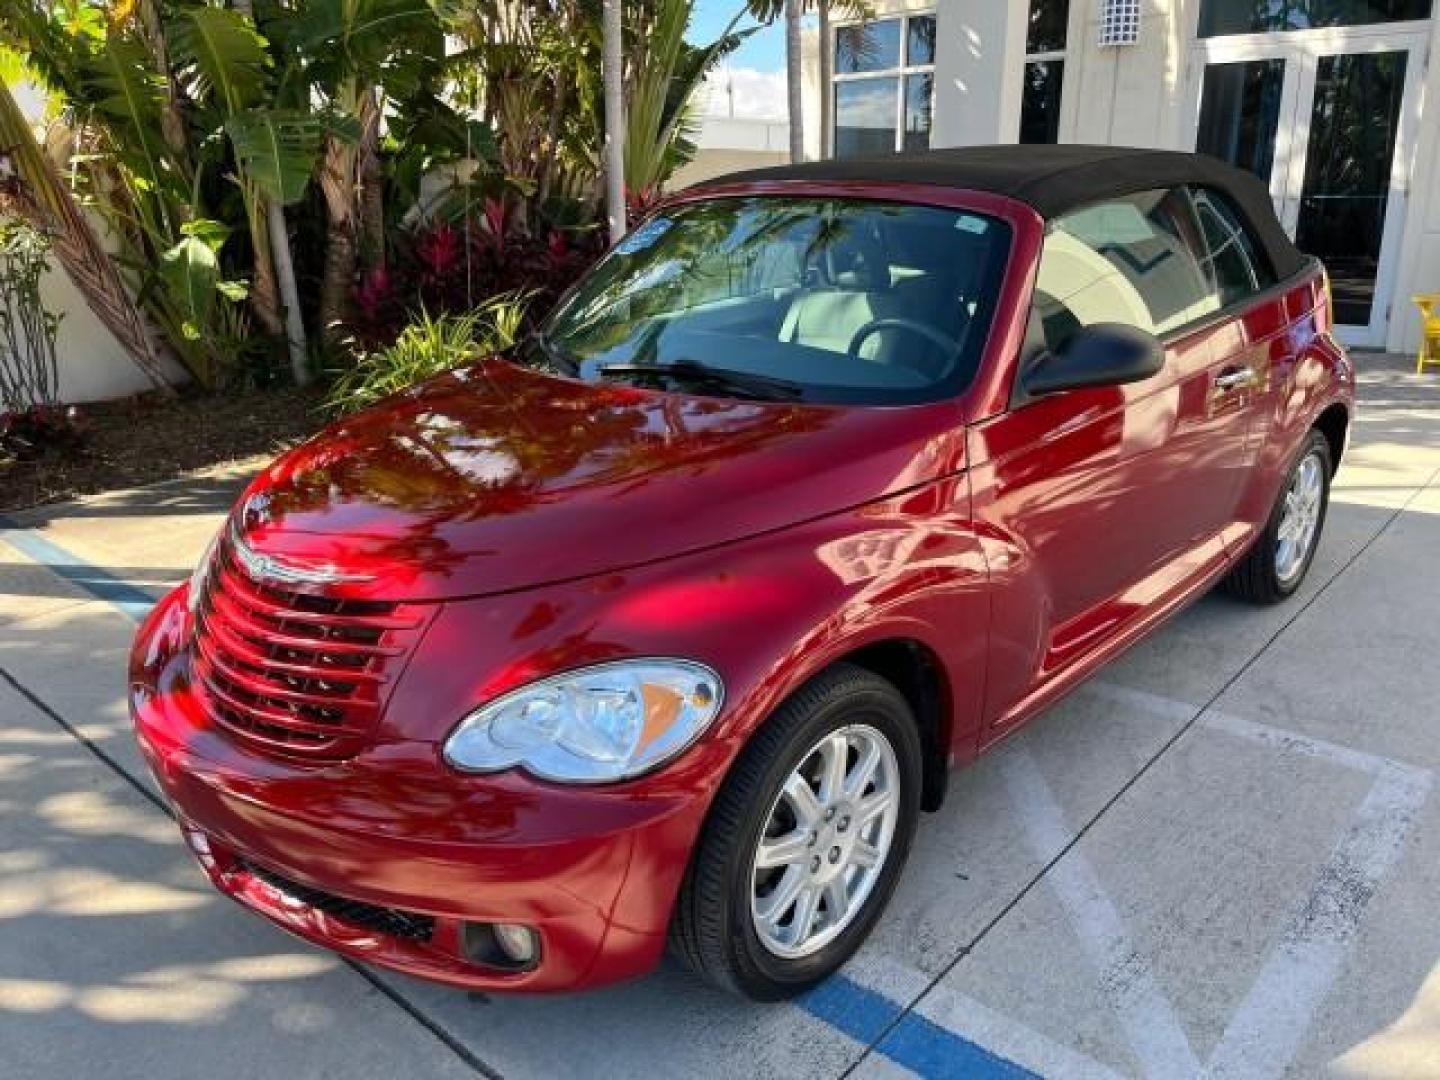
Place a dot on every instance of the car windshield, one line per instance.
(832, 300)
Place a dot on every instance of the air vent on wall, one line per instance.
(1119, 22)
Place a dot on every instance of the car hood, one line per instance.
(494, 477)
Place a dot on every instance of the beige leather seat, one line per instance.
(828, 318)
(856, 291)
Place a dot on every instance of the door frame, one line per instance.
(1302, 51)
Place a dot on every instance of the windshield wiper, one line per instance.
(744, 383)
(553, 354)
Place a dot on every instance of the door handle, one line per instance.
(1233, 378)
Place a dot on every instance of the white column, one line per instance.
(979, 61)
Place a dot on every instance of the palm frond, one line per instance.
(224, 55)
(49, 205)
(277, 149)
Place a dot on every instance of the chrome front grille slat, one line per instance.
(293, 674)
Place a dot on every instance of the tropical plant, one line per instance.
(428, 346)
(180, 117)
(259, 164)
(32, 420)
(31, 189)
(29, 365)
(362, 56)
(663, 74)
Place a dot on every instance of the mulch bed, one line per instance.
(143, 439)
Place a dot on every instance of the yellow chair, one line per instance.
(1429, 305)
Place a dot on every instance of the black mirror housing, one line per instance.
(1103, 354)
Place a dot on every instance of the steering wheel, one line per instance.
(950, 345)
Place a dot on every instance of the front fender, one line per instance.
(766, 613)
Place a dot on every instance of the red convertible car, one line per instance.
(664, 627)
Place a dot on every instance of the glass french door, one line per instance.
(1327, 119)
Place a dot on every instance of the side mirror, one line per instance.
(1103, 354)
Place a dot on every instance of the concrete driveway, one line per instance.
(1220, 857)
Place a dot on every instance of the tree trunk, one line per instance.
(372, 184)
(827, 86)
(264, 292)
(794, 80)
(337, 183)
(289, 293)
(340, 259)
(279, 234)
(611, 61)
(172, 120)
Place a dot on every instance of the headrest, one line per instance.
(855, 259)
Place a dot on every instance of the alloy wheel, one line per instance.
(1300, 519)
(825, 842)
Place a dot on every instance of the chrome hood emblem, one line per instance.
(262, 567)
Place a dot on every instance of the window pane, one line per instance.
(865, 117)
(1135, 260)
(1040, 101)
(873, 46)
(1247, 17)
(1236, 266)
(1347, 173)
(1046, 32)
(918, 93)
(1240, 112)
(920, 40)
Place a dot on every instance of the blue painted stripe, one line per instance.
(865, 1015)
(918, 1044)
(131, 599)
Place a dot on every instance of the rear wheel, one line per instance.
(1277, 563)
(806, 839)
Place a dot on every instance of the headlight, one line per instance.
(201, 574)
(594, 725)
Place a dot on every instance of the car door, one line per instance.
(1253, 347)
(1103, 505)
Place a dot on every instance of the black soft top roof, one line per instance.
(1055, 178)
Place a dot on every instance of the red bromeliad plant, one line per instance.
(451, 267)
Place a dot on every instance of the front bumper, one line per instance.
(331, 853)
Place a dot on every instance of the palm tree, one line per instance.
(266, 204)
(767, 11)
(794, 76)
(611, 62)
(662, 73)
(350, 49)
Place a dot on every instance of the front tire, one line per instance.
(1278, 561)
(806, 839)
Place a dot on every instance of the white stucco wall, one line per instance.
(93, 366)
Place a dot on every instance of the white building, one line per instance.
(741, 124)
(1333, 102)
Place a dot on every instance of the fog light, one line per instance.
(506, 946)
(517, 943)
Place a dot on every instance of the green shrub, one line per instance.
(29, 361)
(426, 347)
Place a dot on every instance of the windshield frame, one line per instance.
(1003, 329)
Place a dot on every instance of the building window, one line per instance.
(1044, 71)
(884, 86)
(1218, 17)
